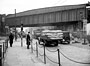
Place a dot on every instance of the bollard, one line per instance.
(0, 55)
(7, 43)
(3, 49)
(5, 46)
(21, 41)
(44, 55)
(36, 49)
(58, 58)
(31, 47)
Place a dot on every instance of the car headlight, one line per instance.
(63, 40)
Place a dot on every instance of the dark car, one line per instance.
(66, 37)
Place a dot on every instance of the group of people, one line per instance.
(28, 39)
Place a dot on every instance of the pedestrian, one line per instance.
(11, 37)
(28, 40)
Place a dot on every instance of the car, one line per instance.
(51, 37)
(66, 37)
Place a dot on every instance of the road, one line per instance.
(74, 53)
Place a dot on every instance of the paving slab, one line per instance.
(21, 56)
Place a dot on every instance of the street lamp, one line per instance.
(3, 23)
(84, 20)
(84, 30)
(15, 27)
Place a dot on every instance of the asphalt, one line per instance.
(21, 56)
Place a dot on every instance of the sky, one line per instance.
(9, 6)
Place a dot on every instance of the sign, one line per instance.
(6, 26)
(21, 27)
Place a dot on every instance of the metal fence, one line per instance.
(58, 52)
(3, 48)
(44, 54)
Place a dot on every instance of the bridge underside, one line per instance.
(70, 26)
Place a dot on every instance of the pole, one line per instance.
(15, 26)
(7, 42)
(3, 49)
(44, 54)
(36, 49)
(0, 55)
(21, 40)
(84, 30)
(21, 35)
(58, 58)
(31, 46)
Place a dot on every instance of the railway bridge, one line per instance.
(67, 18)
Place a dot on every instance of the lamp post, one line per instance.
(84, 30)
(21, 35)
(3, 23)
(84, 20)
(15, 27)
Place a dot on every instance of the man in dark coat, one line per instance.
(28, 40)
(11, 37)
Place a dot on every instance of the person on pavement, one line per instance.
(11, 37)
(28, 40)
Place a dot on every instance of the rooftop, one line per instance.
(46, 10)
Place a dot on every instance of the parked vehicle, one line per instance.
(37, 33)
(66, 37)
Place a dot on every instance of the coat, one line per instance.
(11, 37)
(28, 39)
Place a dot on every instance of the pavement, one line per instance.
(81, 44)
(21, 56)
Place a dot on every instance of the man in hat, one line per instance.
(11, 37)
(28, 40)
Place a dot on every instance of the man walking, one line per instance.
(11, 37)
(28, 40)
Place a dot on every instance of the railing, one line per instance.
(58, 51)
(3, 48)
(44, 54)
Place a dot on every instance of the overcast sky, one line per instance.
(8, 6)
